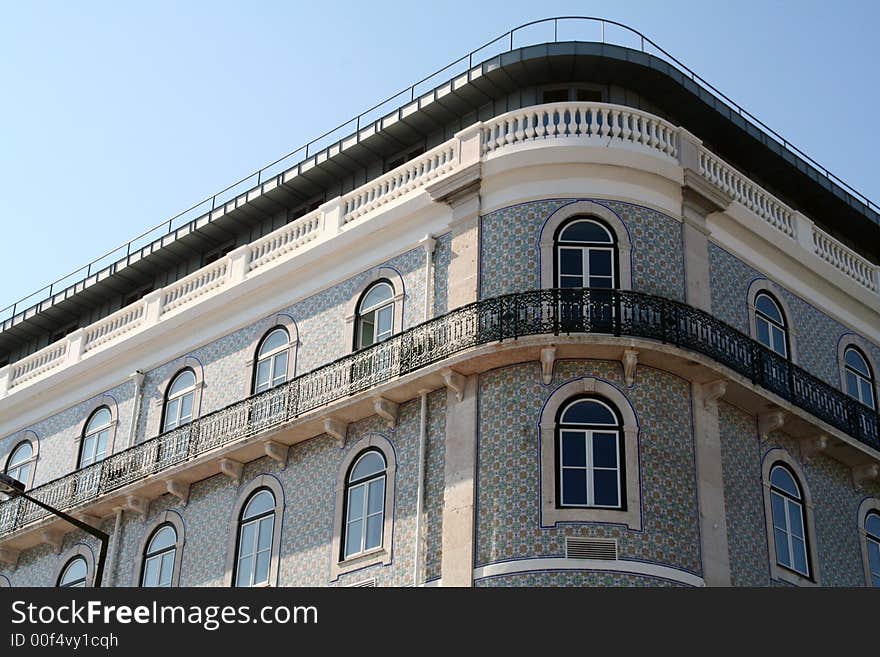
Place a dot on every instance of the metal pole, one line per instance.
(79, 524)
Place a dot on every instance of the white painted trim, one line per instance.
(620, 566)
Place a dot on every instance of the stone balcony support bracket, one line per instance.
(137, 504)
(454, 381)
(386, 409)
(769, 422)
(630, 361)
(9, 556)
(53, 538)
(336, 429)
(548, 357)
(813, 445)
(276, 451)
(712, 392)
(865, 474)
(179, 489)
(231, 469)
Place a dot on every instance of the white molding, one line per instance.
(619, 566)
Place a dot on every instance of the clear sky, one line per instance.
(117, 115)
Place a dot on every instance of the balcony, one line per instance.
(524, 324)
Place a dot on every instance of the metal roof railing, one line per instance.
(531, 33)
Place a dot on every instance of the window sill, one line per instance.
(379, 555)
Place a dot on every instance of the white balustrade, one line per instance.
(110, 328)
(740, 188)
(38, 363)
(845, 260)
(598, 123)
(285, 240)
(410, 176)
(195, 285)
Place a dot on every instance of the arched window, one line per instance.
(789, 528)
(256, 527)
(270, 368)
(770, 326)
(859, 377)
(375, 315)
(589, 455)
(20, 462)
(364, 504)
(585, 255)
(179, 400)
(75, 574)
(95, 437)
(872, 536)
(159, 556)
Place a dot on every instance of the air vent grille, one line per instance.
(371, 583)
(591, 548)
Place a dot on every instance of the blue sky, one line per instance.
(117, 115)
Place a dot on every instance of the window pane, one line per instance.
(852, 384)
(571, 282)
(75, 570)
(867, 395)
(280, 374)
(778, 340)
(276, 339)
(605, 488)
(356, 503)
(383, 321)
(88, 451)
(574, 486)
(588, 412)
(353, 537)
(151, 570)
(571, 262)
(797, 520)
(183, 381)
(600, 262)
(872, 525)
(854, 359)
(767, 306)
(246, 545)
(171, 410)
(367, 335)
(376, 498)
(101, 445)
(262, 502)
(874, 561)
(605, 450)
(574, 448)
(777, 504)
(264, 541)
(782, 479)
(374, 532)
(376, 295)
(602, 282)
(799, 555)
(782, 548)
(245, 565)
(369, 464)
(167, 569)
(186, 407)
(100, 418)
(261, 572)
(163, 539)
(262, 381)
(22, 453)
(763, 331)
(585, 231)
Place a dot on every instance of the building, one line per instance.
(566, 318)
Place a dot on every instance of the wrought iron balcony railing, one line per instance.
(539, 312)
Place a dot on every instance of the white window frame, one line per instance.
(93, 434)
(374, 311)
(586, 250)
(791, 506)
(256, 522)
(860, 378)
(364, 484)
(771, 324)
(272, 358)
(14, 470)
(246, 493)
(161, 556)
(869, 506)
(587, 433)
(178, 397)
(79, 551)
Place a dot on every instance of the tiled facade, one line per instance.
(510, 255)
(815, 334)
(508, 486)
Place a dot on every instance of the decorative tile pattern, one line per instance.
(435, 479)
(835, 502)
(442, 258)
(511, 237)
(815, 334)
(508, 496)
(557, 578)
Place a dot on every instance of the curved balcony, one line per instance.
(550, 315)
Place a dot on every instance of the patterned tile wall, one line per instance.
(815, 334)
(835, 500)
(308, 481)
(508, 496)
(511, 238)
(558, 578)
(442, 258)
